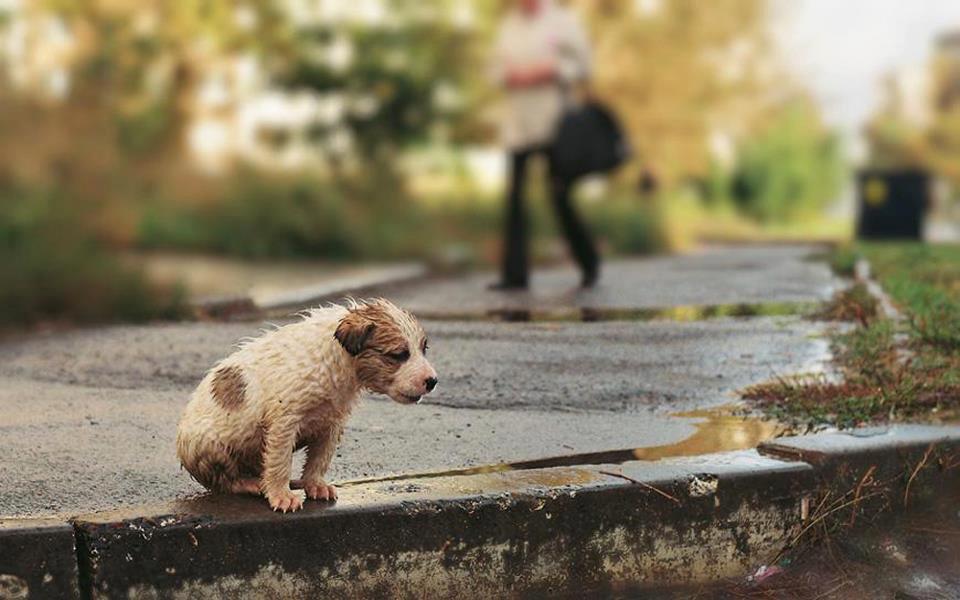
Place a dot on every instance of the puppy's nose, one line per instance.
(431, 383)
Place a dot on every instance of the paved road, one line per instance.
(714, 276)
(90, 415)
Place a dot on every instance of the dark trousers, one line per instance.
(515, 256)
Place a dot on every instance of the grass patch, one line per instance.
(889, 370)
(925, 280)
(843, 261)
(852, 304)
(879, 382)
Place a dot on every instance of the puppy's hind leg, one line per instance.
(214, 468)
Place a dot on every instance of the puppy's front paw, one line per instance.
(320, 490)
(284, 500)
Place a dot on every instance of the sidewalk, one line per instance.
(758, 276)
(593, 425)
(586, 445)
(92, 413)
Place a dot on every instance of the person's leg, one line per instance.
(581, 243)
(514, 268)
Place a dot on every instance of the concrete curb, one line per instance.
(863, 273)
(540, 532)
(529, 533)
(245, 306)
(37, 560)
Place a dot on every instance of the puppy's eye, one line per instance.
(425, 347)
(399, 356)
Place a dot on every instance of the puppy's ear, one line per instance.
(354, 332)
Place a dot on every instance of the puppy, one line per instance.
(295, 387)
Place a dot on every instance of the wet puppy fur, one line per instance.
(294, 388)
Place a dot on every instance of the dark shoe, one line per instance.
(590, 276)
(505, 286)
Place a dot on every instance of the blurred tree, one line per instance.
(792, 167)
(406, 76)
(943, 135)
(895, 137)
(102, 95)
(918, 123)
(112, 86)
(98, 94)
(683, 72)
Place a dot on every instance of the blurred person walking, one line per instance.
(541, 54)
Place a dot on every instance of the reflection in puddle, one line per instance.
(721, 430)
(586, 315)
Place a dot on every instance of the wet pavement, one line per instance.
(90, 415)
(710, 277)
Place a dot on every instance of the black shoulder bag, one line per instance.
(589, 140)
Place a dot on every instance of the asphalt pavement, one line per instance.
(90, 414)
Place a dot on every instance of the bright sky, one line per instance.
(842, 48)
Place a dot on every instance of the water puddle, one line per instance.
(721, 430)
(588, 315)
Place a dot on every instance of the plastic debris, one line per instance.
(764, 572)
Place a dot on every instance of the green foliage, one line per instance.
(843, 261)
(370, 219)
(261, 218)
(139, 132)
(925, 280)
(878, 384)
(401, 81)
(671, 104)
(791, 168)
(893, 143)
(51, 269)
(631, 225)
(883, 377)
(897, 140)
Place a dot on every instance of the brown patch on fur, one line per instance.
(375, 368)
(354, 331)
(229, 388)
(371, 334)
(386, 337)
(375, 371)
